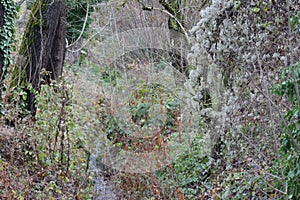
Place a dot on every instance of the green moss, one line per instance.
(19, 75)
(34, 21)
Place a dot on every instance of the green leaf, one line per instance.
(42, 156)
(256, 10)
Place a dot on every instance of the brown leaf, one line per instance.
(180, 194)
(215, 192)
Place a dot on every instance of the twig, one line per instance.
(88, 40)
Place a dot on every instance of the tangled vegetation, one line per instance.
(240, 89)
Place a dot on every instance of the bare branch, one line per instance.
(83, 27)
(171, 15)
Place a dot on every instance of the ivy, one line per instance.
(7, 32)
(295, 21)
(289, 156)
(6, 42)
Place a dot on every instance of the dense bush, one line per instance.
(49, 149)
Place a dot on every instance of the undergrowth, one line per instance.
(43, 158)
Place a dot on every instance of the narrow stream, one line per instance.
(103, 188)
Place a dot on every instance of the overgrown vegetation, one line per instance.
(288, 160)
(241, 84)
(44, 158)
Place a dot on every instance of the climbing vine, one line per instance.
(7, 33)
(6, 40)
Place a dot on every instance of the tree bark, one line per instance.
(43, 47)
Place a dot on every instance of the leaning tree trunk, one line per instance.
(43, 48)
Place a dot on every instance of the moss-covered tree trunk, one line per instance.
(42, 48)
